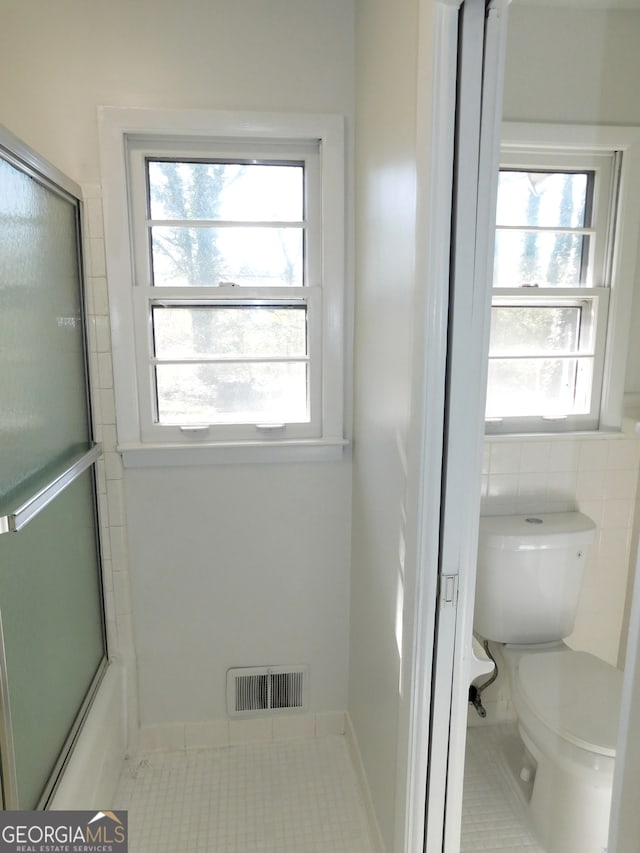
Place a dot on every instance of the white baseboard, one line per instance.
(377, 842)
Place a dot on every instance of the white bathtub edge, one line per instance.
(91, 776)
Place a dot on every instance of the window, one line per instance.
(552, 277)
(236, 283)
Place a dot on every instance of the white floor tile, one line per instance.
(297, 796)
(493, 816)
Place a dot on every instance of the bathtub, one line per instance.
(90, 777)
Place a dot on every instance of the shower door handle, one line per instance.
(14, 521)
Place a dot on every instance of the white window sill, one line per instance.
(183, 455)
(627, 431)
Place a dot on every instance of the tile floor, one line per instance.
(298, 796)
(493, 815)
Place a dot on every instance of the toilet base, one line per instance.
(570, 814)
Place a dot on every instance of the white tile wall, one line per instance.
(110, 474)
(598, 476)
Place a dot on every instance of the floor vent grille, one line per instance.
(254, 691)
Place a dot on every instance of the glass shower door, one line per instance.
(51, 612)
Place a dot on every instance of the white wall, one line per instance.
(385, 305)
(59, 60)
(577, 66)
(229, 565)
(572, 65)
(255, 572)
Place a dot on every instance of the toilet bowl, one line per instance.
(567, 705)
(567, 702)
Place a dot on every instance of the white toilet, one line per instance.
(567, 702)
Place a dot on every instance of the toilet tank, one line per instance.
(529, 574)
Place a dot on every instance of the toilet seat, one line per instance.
(574, 694)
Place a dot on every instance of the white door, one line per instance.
(476, 35)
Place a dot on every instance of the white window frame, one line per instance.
(559, 146)
(146, 294)
(127, 137)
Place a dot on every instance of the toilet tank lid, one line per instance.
(536, 531)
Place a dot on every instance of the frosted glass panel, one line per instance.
(50, 582)
(43, 409)
(51, 615)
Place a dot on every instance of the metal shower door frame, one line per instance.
(24, 159)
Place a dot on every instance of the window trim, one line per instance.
(550, 139)
(195, 127)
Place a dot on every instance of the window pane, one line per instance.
(232, 393)
(547, 199)
(526, 329)
(539, 258)
(549, 387)
(253, 257)
(228, 191)
(222, 330)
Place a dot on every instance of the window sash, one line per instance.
(145, 298)
(601, 199)
(584, 247)
(587, 218)
(593, 291)
(246, 228)
(594, 305)
(142, 149)
(185, 353)
(281, 166)
(146, 294)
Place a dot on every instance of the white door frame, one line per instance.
(443, 661)
(459, 466)
(468, 380)
(436, 108)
